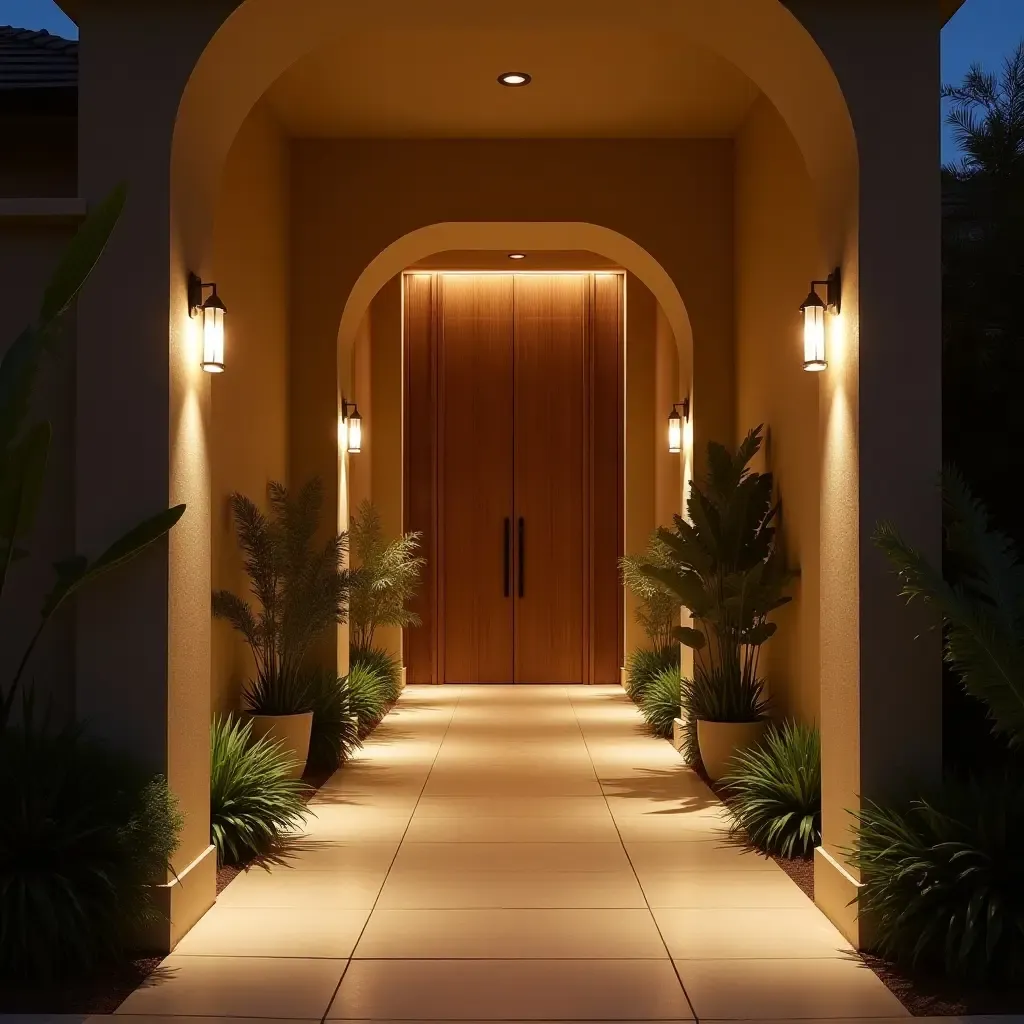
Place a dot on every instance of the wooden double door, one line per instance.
(513, 462)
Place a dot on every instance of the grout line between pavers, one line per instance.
(625, 850)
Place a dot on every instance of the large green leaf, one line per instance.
(75, 573)
(81, 256)
(21, 482)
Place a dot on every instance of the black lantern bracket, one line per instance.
(196, 287)
(684, 405)
(833, 285)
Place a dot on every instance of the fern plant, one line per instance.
(725, 567)
(773, 792)
(658, 610)
(254, 801)
(386, 577)
(302, 590)
(660, 702)
(983, 612)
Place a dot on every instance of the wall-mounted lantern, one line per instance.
(675, 425)
(813, 312)
(353, 427)
(213, 311)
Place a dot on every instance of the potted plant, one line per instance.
(726, 569)
(385, 578)
(302, 590)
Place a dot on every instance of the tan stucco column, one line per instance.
(880, 422)
(143, 634)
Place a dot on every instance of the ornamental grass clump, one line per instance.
(644, 664)
(369, 694)
(255, 803)
(335, 733)
(773, 792)
(660, 702)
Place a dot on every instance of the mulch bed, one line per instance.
(103, 992)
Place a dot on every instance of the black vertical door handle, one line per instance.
(522, 557)
(507, 576)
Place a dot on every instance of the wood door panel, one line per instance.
(419, 646)
(476, 401)
(551, 385)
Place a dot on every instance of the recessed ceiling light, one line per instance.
(514, 78)
(517, 255)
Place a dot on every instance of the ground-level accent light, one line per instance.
(353, 427)
(813, 311)
(675, 425)
(213, 311)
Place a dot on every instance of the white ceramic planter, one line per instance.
(290, 731)
(718, 741)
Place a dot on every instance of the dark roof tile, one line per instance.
(37, 60)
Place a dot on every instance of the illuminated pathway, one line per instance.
(515, 853)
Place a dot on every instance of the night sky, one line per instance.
(983, 31)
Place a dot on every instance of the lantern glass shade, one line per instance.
(213, 334)
(355, 432)
(813, 311)
(675, 432)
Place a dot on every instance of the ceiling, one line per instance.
(497, 260)
(587, 82)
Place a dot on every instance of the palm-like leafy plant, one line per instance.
(386, 576)
(773, 792)
(726, 569)
(658, 611)
(301, 588)
(983, 611)
(254, 801)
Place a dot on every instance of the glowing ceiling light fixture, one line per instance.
(813, 311)
(514, 79)
(517, 255)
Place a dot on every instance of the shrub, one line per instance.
(723, 695)
(943, 878)
(368, 695)
(386, 577)
(385, 665)
(773, 792)
(658, 608)
(644, 664)
(660, 702)
(335, 727)
(84, 832)
(254, 801)
(302, 590)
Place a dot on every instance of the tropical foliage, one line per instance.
(714, 695)
(385, 579)
(254, 801)
(660, 702)
(943, 875)
(725, 567)
(643, 664)
(371, 692)
(84, 833)
(658, 607)
(773, 792)
(301, 587)
(335, 733)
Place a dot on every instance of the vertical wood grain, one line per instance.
(476, 408)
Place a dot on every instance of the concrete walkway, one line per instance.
(514, 853)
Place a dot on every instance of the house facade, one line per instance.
(347, 174)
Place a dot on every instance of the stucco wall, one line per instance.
(775, 262)
(249, 415)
